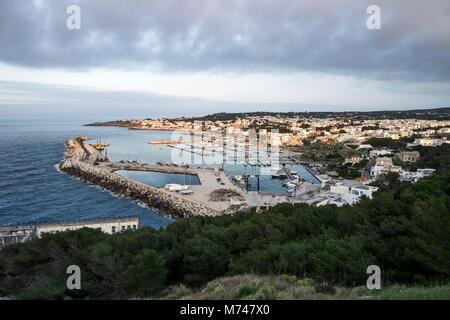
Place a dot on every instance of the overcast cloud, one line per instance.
(295, 52)
(235, 35)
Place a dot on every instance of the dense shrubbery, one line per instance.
(388, 143)
(405, 230)
(288, 287)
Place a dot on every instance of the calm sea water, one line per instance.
(159, 179)
(33, 191)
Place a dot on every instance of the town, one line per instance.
(351, 155)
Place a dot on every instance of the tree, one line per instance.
(145, 276)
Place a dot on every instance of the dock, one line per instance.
(313, 174)
(288, 172)
(173, 141)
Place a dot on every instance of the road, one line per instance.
(369, 166)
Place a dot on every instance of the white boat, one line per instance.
(291, 185)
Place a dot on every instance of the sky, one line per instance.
(140, 58)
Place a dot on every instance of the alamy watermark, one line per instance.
(74, 280)
(74, 19)
(73, 22)
(374, 20)
(229, 146)
(374, 280)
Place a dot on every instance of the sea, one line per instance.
(34, 191)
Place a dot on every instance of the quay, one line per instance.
(91, 165)
(101, 172)
(173, 141)
(313, 174)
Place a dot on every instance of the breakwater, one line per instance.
(102, 175)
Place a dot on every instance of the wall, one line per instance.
(170, 203)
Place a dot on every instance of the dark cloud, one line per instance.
(233, 36)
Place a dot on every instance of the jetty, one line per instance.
(173, 141)
(313, 174)
(89, 164)
(288, 172)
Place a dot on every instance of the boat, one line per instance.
(279, 175)
(291, 185)
(175, 187)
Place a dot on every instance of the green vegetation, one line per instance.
(327, 152)
(352, 171)
(387, 143)
(430, 157)
(289, 287)
(425, 114)
(224, 195)
(334, 155)
(405, 230)
(433, 157)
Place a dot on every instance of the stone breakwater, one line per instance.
(76, 149)
(172, 204)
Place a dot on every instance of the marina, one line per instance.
(130, 152)
(181, 190)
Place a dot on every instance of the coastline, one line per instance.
(171, 204)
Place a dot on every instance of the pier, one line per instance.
(288, 172)
(173, 141)
(177, 205)
(313, 174)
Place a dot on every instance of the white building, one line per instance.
(352, 191)
(416, 176)
(106, 226)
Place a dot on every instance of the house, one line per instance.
(363, 180)
(353, 160)
(351, 191)
(382, 152)
(383, 161)
(364, 190)
(364, 146)
(428, 142)
(416, 176)
(376, 170)
(408, 156)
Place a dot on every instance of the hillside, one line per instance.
(425, 114)
(405, 230)
(288, 287)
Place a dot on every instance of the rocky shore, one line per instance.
(170, 203)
